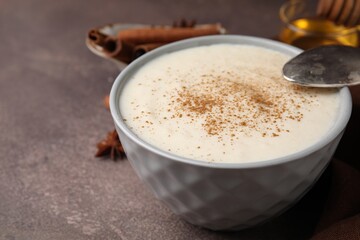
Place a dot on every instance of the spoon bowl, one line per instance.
(325, 66)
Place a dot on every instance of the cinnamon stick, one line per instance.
(98, 38)
(144, 48)
(122, 51)
(132, 43)
(166, 34)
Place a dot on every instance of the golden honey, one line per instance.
(311, 32)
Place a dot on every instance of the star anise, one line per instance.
(111, 145)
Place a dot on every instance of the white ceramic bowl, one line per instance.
(225, 196)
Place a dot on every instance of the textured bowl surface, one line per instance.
(224, 196)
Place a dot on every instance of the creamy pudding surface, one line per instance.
(225, 103)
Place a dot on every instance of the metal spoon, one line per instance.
(325, 66)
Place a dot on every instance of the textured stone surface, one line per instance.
(51, 116)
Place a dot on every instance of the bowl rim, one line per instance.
(122, 78)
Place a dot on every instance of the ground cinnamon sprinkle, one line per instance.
(228, 106)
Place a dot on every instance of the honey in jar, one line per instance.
(304, 30)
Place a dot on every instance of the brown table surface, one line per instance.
(52, 116)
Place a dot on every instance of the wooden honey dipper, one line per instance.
(345, 12)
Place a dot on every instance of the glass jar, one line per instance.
(304, 29)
